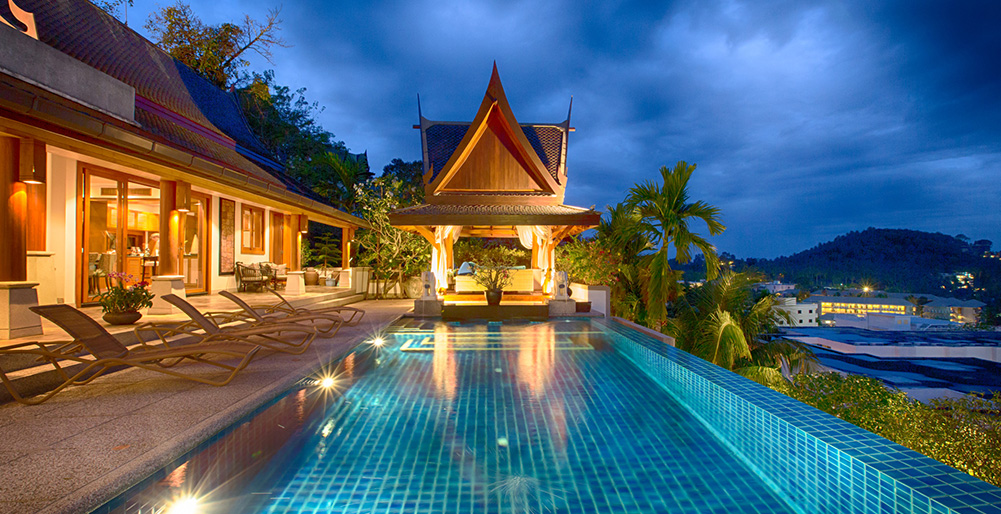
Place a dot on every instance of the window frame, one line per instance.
(256, 246)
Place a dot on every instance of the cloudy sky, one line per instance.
(807, 119)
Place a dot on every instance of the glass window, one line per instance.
(252, 240)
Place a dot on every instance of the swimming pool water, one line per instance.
(541, 417)
(546, 417)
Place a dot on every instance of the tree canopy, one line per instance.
(217, 52)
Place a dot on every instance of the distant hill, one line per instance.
(890, 259)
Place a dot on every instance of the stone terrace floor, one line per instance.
(89, 443)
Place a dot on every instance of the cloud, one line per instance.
(807, 119)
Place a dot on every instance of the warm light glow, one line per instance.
(33, 182)
(378, 341)
(187, 505)
(327, 382)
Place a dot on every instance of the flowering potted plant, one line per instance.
(493, 279)
(121, 303)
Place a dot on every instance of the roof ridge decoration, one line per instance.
(23, 17)
(493, 159)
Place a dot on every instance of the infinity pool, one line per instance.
(501, 418)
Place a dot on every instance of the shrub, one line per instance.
(489, 253)
(964, 433)
(588, 261)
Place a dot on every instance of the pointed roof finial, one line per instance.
(419, 114)
(569, 110)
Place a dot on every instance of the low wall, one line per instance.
(815, 461)
(599, 296)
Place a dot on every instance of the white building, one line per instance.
(802, 314)
(777, 287)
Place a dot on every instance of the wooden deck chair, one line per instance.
(264, 334)
(283, 305)
(333, 321)
(106, 352)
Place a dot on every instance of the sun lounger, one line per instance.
(266, 334)
(283, 305)
(331, 321)
(106, 352)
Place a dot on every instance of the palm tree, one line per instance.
(919, 304)
(620, 232)
(725, 323)
(665, 213)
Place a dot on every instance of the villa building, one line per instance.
(115, 157)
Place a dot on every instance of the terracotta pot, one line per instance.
(122, 318)
(493, 297)
(311, 277)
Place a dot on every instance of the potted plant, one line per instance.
(328, 250)
(493, 279)
(121, 303)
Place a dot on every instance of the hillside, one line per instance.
(890, 259)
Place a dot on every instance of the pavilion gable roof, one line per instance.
(494, 156)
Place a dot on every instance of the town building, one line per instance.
(117, 158)
(860, 305)
(801, 314)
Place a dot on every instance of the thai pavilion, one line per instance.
(110, 147)
(495, 178)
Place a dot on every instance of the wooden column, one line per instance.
(347, 234)
(13, 215)
(449, 262)
(170, 229)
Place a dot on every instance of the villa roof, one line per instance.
(441, 138)
(174, 106)
(494, 157)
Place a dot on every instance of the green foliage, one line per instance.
(393, 254)
(327, 250)
(493, 278)
(285, 123)
(964, 433)
(664, 215)
(216, 52)
(123, 298)
(412, 175)
(336, 178)
(588, 261)
(725, 322)
(489, 252)
(619, 232)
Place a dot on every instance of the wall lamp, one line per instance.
(31, 165)
(183, 197)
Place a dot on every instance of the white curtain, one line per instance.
(545, 255)
(525, 236)
(439, 257)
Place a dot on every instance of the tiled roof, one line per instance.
(497, 210)
(494, 215)
(173, 103)
(444, 138)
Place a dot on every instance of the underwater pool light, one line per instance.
(378, 341)
(326, 382)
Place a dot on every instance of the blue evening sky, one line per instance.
(807, 119)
